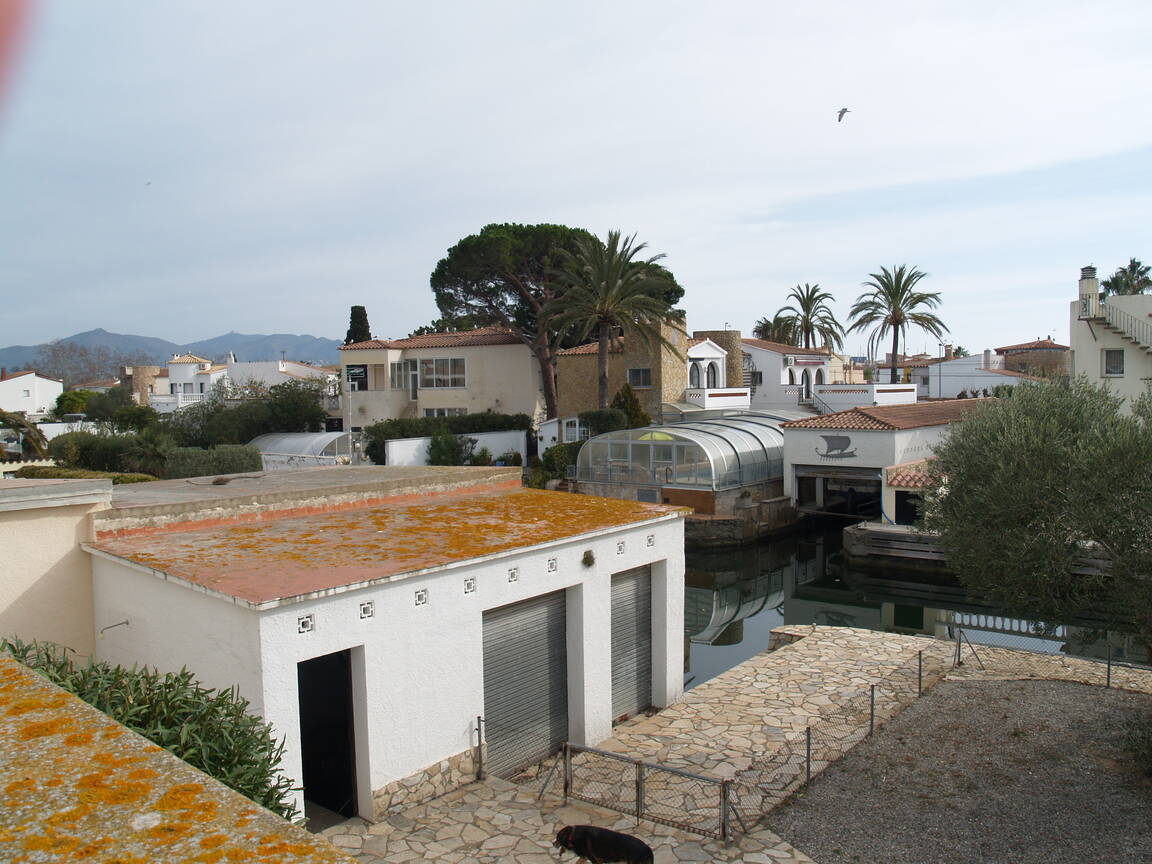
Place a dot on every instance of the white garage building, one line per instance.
(373, 634)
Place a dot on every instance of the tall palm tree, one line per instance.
(604, 288)
(811, 316)
(893, 304)
(1131, 279)
(780, 329)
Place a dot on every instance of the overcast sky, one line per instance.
(182, 169)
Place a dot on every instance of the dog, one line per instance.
(601, 846)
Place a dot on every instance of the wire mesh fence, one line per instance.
(1013, 646)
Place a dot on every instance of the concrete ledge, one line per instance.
(20, 494)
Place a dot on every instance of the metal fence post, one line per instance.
(567, 771)
(480, 775)
(808, 754)
(958, 661)
(639, 790)
(871, 709)
(725, 804)
(1108, 683)
(919, 673)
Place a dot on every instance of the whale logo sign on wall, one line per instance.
(836, 447)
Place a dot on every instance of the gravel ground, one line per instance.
(1011, 772)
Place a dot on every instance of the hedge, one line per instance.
(50, 472)
(225, 459)
(425, 427)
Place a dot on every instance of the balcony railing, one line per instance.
(1137, 329)
(719, 397)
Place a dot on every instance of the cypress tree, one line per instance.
(358, 330)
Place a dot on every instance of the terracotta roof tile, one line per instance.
(892, 417)
(1034, 345)
(909, 475)
(461, 339)
(188, 358)
(781, 348)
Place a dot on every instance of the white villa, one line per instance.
(28, 392)
(1111, 338)
(189, 379)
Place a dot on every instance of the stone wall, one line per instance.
(729, 340)
(432, 782)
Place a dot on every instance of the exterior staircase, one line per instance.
(1135, 330)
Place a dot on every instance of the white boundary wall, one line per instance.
(414, 451)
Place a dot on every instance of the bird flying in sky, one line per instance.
(840, 114)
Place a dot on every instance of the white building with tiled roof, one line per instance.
(439, 374)
(190, 380)
(1112, 339)
(28, 392)
(835, 462)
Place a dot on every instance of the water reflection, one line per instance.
(734, 597)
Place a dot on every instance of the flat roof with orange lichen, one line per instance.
(264, 563)
(75, 785)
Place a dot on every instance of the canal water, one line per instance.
(734, 597)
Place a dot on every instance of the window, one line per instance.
(640, 377)
(924, 380)
(713, 376)
(756, 379)
(27, 394)
(201, 386)
(445, 412)
(574, 431)
(1114, 361)
(442, 372)
(357, 377)
(694, 376)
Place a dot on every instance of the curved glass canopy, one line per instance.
(302, 443)
(719, 453)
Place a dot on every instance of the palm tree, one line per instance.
(32, 440)
(811, 316)
(1130, 279)
(893, 304)
(779, 329)
(603, 288)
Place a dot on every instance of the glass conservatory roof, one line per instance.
(718, 453)
(302, 443)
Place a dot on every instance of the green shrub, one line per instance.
(225, 459)
(49, 472)
(626, 400)
(603, 420)
(71, 448)
(377, 434)
(554, 463)
(89, 451)
(448, 449)
(209, 729)
(511, 457)
(483, 456)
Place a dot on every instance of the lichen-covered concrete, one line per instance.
(77, 786)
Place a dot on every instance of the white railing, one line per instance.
(1139, 330)
(719, 397)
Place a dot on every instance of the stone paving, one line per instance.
(744, 725)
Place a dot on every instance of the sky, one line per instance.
(184, 169)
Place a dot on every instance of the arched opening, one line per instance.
(806, 385)
(694, 376)
(713, 376)
(819, 376)
(791, 376)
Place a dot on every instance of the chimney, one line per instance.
(1089, 284)
(986, 362)
(948, 352)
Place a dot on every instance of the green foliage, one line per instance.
(482, 456)
(892, 306)
(625, 400)
(293, 406)
(605, 289)
(148, 452)
(554, 463)
(90, 451)
(1004, 391)
(782, 329)
(603, 420)
(376, 435)
(72, 402)
(358, 329)
(211, 730)
(809, 317)
(448, 449)
(102, 406)
(1046, 506)
(225, 459)
(511, 457)
(1130, 279)
(50, 472)
(135, 418)
(32, 440)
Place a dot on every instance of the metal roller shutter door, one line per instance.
(525, 682)
(631, 642)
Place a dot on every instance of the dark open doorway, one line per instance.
(327, 738)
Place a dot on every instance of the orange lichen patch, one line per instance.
(290, 556)
(41, 728)
(92, 848)
(50, 841)
(26, 706)
(213, 840)
(206, 811)
(143, 774)
(20, 788)
(182, 796)
(78, 739)
(167, 832)
(66, 816)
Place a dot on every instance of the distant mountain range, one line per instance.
(247, 346)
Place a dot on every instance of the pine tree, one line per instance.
(358, 329)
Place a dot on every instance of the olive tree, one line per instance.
(1044, 504)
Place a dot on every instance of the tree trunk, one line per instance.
(895, 349)
(602, 363)
(543, 355)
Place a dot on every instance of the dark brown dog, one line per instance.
(601, 846)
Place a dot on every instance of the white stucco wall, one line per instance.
(422, 666)
(1089, 343)
(29, 393)
(45, 579)
(414, 451)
